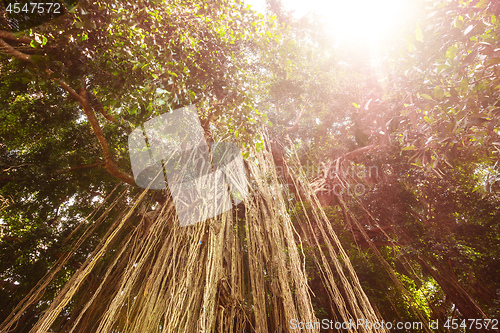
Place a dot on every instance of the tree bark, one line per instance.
(109, 163)
(81, 97)
(10, 50)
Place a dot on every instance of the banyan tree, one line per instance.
(184, 166)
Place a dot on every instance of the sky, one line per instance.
(370, 22)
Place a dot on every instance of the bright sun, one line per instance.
(369, 22)
(364, 20)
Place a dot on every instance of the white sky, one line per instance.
(370, 22)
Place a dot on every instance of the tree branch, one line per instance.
(109, 163)
(355, 153)
(295, 123)
(70, 90)
(6, 35)
(81, 97)
(87, 166)
(215, 113)
(10, 50)
(16, 166)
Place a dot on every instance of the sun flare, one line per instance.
(353, 23)
(364, 20)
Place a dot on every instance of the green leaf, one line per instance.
(468, 30)
(464, 84)
(477, 119)
(426, 96)
(441, 68)
(355, 105)
(259, 146)
(412, 147)
(482, 4)
(438, 93)
(38, 59)
(33, 43)
(457, 23)
(418, 162)
(451, 53)
(419, 36)
(411, 47)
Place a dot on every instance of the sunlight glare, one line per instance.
(354, 23)
(364, 21)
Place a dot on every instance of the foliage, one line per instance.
(423, 237)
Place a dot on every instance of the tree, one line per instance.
(71, 92)
(421, 144)
(433, 135)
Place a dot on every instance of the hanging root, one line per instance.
(241, 271)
